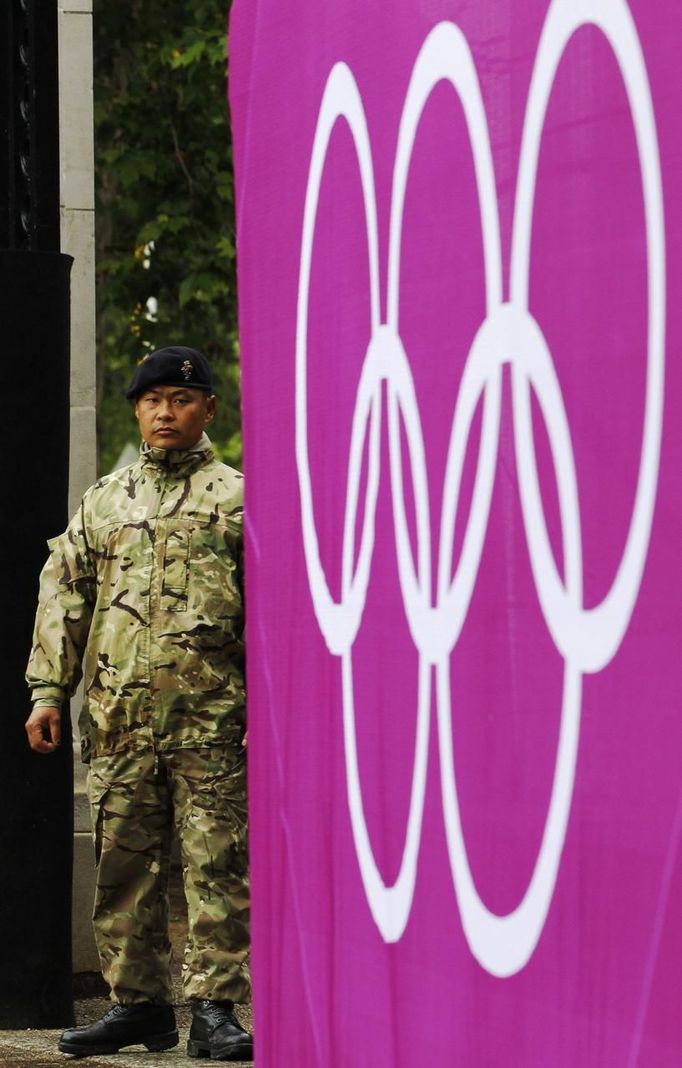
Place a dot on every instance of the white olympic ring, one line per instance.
(587, 639)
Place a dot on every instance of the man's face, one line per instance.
(173, 417)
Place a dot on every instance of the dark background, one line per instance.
(36, 823)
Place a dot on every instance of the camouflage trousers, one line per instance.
(136, 798)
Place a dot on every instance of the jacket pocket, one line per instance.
(175, 570)
(214, 576)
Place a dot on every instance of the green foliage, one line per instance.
(165, 204)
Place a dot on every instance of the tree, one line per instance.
(165, 203)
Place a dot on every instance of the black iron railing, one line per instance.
(29, 125)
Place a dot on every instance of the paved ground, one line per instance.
(38, 1049)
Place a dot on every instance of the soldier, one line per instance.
(143, 596)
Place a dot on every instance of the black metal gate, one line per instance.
(36, 837)
(29, 126)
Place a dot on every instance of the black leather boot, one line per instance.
(149, 1025)
(216, 1033)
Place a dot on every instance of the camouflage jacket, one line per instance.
(143, 595)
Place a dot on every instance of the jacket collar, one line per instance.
(179, 462)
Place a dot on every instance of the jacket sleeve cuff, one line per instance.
(47, 697)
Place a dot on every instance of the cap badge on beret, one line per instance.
(187, 369)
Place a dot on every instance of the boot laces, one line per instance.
(116, 1010)
(219, 1011)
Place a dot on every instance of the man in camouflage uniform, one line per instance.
(143, 595)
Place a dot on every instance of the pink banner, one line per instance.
(459, 235)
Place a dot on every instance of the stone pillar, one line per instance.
(77, 206)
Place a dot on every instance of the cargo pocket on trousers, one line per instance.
(97, 794)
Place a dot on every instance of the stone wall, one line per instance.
(77, 205)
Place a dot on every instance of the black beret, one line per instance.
(174, 366)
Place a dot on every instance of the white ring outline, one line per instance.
(587, 639)
(596, 632)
